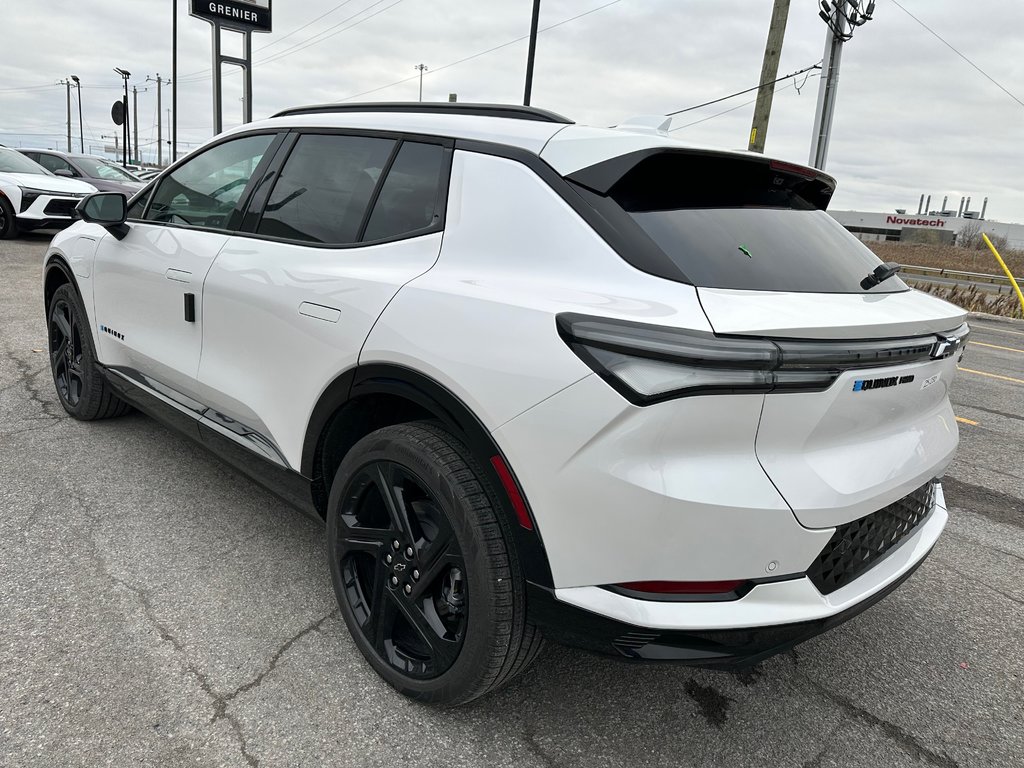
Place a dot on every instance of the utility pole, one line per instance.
(135, 119)
(841, 17)
(159, 120)
(81, 130)
(174, 81)
(528, 92)
(125, 74)
(67, 85)
(422, 68)
(769, 71)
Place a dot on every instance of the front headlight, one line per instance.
(29, 195)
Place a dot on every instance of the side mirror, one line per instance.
(108, 209)
(64, 172)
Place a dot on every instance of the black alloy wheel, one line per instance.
(66, 352)
(403, 571)
(82, 390)
(422, 567)
(8, 222)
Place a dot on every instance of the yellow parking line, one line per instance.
(991, 375)
(996, 330)
(962, 420)
(996, 346)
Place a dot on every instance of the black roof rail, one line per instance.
(513, 111)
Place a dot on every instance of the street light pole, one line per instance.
(126, 128)
(422, 68)
(842, 17)
(174, 83)
(67, 85)
(81, 130)
(528, 92)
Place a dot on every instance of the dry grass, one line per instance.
(964, 260)
(950, 257)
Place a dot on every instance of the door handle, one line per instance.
(190, 307)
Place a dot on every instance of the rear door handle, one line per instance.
(190, 307)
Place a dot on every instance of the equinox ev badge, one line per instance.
(862, 385)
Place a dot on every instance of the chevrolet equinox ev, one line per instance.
(537, 379)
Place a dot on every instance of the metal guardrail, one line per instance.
(954, 274)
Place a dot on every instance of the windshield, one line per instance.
(15, 162)
(96, 168)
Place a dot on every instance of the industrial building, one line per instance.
(927, 225)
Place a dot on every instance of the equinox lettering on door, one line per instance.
(892, 381)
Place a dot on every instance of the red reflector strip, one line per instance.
(682, 587)
(512, 491)
(799, 170)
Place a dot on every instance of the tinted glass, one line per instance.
(729, 221)
(325, 188)
(95, 168)
(54, 163)
(139, 205)
(409, 195)
(15, 162)
(765, 249)
(205, 191)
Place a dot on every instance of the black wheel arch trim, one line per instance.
(423, 391)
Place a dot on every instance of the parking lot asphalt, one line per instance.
(158, 609)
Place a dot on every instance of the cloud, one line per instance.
(912, 117)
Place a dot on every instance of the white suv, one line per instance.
(31, 197)
(538, 379)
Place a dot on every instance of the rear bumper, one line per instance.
(770, 618)
(715, 649)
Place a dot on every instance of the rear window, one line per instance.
(721, 221)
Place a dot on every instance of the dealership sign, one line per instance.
(908, 221)
(243, 15)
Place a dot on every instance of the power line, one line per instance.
(733, 109)
(748, 90)
(307, 43)
(949, 45)
(482, 53)
(299, 29)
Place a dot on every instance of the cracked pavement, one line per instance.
(158, 609)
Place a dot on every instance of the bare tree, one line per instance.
(969, 235)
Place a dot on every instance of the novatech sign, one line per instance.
(252, 15)
(915, 222)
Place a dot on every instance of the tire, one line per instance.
(410, 498)
(8, 222)
(82, 390)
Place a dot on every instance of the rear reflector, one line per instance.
(682, 587)
(512, 491)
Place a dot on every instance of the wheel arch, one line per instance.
(373, 396)
(56, 273)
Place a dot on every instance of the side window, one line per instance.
(33, 156)
(53, 163)
(136, 208)
(324, 188)
(408, 198)
(205, 191)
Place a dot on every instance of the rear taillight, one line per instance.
(650, 363)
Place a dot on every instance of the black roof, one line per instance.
(514, 111)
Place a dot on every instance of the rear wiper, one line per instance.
(882, 273)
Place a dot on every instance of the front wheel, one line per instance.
(8, 222)
(82, 390)
(424, 574)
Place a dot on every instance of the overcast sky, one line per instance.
(912, 116)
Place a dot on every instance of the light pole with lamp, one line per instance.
(127, 128)
(81, 131)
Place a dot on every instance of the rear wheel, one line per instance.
(425, 577)
(8, 222)
(83, 392)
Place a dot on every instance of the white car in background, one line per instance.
(32, 198)
(536, 379)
